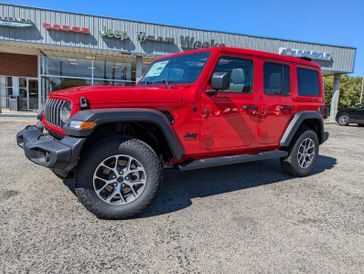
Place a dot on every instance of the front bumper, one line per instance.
(43, 149)
(325, 137)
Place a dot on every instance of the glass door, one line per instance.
(33, 93)
(23, 93)
(26, 88)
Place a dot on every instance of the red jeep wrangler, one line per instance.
(191, 110)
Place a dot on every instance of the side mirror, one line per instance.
(220, 80)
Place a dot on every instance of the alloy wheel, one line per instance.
(343, 119)
(306, 153)
(119, 179)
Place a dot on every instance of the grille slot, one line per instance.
(53, 112)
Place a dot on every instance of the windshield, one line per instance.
(183, 69)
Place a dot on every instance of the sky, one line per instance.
(321, 21)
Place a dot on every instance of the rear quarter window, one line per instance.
(308, 82)
(276, 79)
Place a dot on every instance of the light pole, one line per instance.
(361, 93)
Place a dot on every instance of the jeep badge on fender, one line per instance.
(252, 106)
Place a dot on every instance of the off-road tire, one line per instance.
(341, 121)
(290, 164)
(103, 149)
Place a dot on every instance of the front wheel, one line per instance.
(303, 153)
(118, 178)
(343, 120)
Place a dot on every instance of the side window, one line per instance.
(308, 82)
(241, 73)
(276, 79)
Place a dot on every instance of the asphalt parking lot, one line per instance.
(248, 218)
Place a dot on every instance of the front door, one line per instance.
(229, 118)
(33, 92)
(23, 93)
(276, 108)
(357, 114)
(27, 90)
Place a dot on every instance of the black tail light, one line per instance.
(324, 110)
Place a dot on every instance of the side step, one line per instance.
(233, 159)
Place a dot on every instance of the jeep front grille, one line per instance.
(53, 111)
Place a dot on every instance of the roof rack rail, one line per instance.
(306, 58)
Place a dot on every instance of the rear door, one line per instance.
(358, 114)
(229, 118)
(276, 107)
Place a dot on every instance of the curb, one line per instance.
(330, 122)
(18, 115)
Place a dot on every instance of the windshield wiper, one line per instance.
(145, 83)
(168, 83)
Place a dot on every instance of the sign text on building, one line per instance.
(314, 55)
(122, 35)
(143, 37)
(66, 28)
(15, 22)
(188, 42)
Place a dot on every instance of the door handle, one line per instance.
(250, 107)
(265, 113)
(206, 111)
(285, 108)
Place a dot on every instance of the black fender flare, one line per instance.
(297, 121)
(112, 115)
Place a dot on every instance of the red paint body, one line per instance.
(223, 126)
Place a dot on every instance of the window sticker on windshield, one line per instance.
(157, 69)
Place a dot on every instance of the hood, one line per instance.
(103, 95)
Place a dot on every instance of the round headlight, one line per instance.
(66, 111)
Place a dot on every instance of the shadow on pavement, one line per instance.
(180, 188)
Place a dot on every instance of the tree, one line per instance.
(349, 90)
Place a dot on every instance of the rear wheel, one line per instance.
(343, 119)
(303, 153)
(118, 178)
(361, 125)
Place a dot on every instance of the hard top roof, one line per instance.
(250, 52)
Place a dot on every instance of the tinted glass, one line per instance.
(241, 73)
(308, 82)
(86, 68)
(57, 83)
(112, 70)
(183, 69)
(59, 66)
(276, 79)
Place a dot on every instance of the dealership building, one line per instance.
(44, 50)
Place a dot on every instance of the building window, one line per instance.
(25, 88)
(6, 90)
(57, 66)
(241, 73)
(276, 79)
(57, 83)
(308, 82)
(60, 73)
(112, 71)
